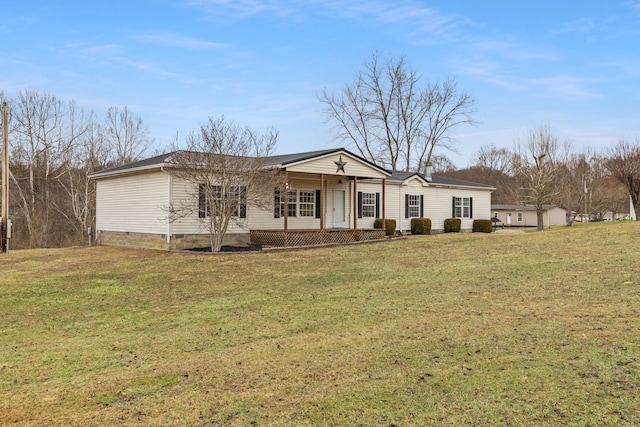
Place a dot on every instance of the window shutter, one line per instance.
(406, 206)
(470, 207)
(453, 207)
(276, 202)
(318, 204)
(359, 204)
(202, 202)
(422, 206)
(377, 205)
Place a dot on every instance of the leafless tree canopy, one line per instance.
(223, 163)
(390, 118)
(125, 134)
(624, 165)
(536, 164)
(54, 146)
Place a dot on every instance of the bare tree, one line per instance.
(44, 129)
(492, 165)
(222, 164)
(490, 157)
(536, 164)
(390, 119)
(88, 155)
(623, 163)
(126, 135)
(441, 165)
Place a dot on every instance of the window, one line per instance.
(462, 207)
(519, 216)
(236, 196)
(301, 203)
(413, 206)
(368, 205)
(307, 200)
(204, 208)
(292, 205)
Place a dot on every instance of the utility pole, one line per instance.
(5, 178)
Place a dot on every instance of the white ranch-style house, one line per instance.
(334, 196)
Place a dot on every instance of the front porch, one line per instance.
(287, 238)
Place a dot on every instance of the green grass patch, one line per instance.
(452, 329)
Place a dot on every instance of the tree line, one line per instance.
(54, 146)
(539, 169)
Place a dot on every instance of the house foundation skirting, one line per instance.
(281, 238)
(159, 241)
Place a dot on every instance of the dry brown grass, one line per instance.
(531, 329)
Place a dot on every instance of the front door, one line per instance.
(339, 215)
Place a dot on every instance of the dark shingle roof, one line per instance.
(435, 179)
(286, 159)
(145, 163)
(278, 160)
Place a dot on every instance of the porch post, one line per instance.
(286, 200)
(321, 201)
(384, 222)
(355, 203)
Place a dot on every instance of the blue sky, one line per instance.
(572, 65)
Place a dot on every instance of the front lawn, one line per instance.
(455, 329)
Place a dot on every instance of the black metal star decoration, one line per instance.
(340, 165)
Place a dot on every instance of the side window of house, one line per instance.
(413, 205)
(519, 216)
(462, 207)
(236, 197)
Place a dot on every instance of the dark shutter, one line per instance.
(359, 204)
(422, 206)
(377, 205)
(318, 204)
(202, 202)
(470, 207)
(453, 207)
(276, 202)
(406, 206)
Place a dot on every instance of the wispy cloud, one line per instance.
(234, 10)
(108, 49)
(563, 87)
(410, 12)
(178, 41)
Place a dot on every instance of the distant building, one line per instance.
(525, 215)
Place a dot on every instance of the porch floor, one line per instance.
(281, 238)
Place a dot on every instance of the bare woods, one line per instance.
(54, 146)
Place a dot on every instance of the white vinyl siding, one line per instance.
(134, 203)
(327, 165)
